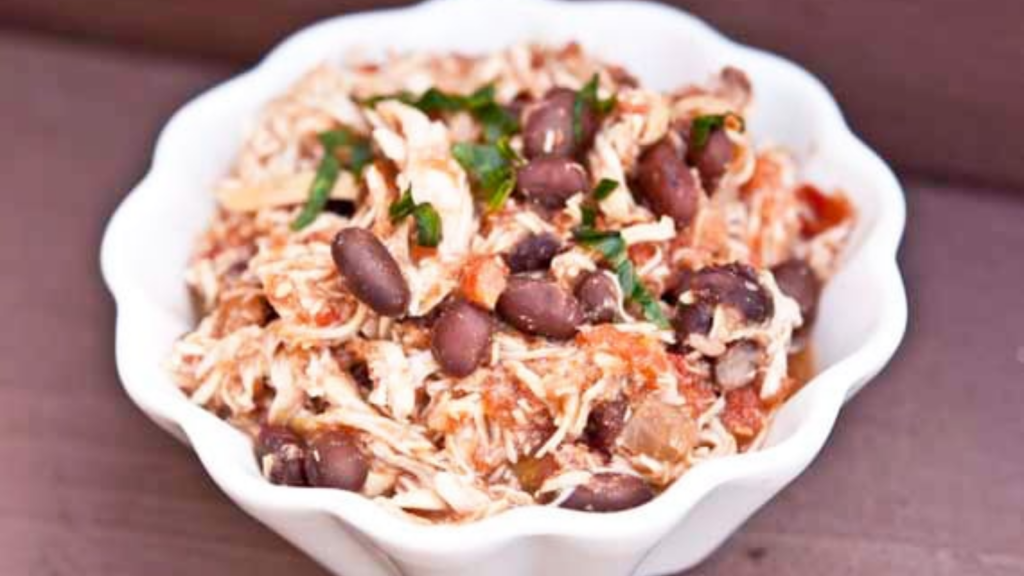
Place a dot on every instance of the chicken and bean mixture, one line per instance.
(459, 284)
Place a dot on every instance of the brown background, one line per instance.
(924, 474)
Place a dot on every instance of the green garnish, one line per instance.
(588, 96)
(703, 126)
(428, 225)
(491, 168)
(604, 188)
(496, 121)
(588, 215)
(613, 248)
(342, 149)
(428, 221)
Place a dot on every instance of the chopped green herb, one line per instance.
(495, 119)
(326, 175)
(627, 277)
(587, 96)
(428, 225)
(588, 215)
(342, 149)
(402, 207)
(428, 222)
(490, 168)
(604, 188)
(703, 126)
(650, 306)
(612, 246)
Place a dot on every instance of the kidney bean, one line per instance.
(334, 460)
(667, 184)
(605, 423)
(609, 492)
(533, 252)
(461, 338)
(370, 272)
(599, 297)
(549, 181)
(548, 126)
(540, 307)
(796, 280)
(738, 366)
(712, 159)
(733, 285)
(280, 453)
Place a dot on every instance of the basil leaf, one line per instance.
(402, 207)
(428, 225)
(489, 168)
(604, 188)
(703, 126)
(326, 176)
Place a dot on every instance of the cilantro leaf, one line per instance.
(604, 188)
(402, 207)
(490, 169)
(343, 149)
(613, 248)
(493, 117)
(428, 225)
(320, 191)
(428, 221)
(703, 126)
(587, 96)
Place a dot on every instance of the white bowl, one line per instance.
(862, 317)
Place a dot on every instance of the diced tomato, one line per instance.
(825, 211)
(484, 279)
(744, 414)
(644, 354)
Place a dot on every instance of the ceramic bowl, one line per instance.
(861, 321)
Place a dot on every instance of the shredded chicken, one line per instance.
(290, 344)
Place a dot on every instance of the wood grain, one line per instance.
(922, 476)
(934, 84)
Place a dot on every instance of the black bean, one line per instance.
(796, 280)
(609, 492)
(548, 126)
(461, 338)
(550, 182)
(693, 318)
(334, 460)
(280, 453)
(667, 184)
(733, 285)
(533, 252)
(540, 308)
(738, 366)
(605, 423)
(712, 159)
(599, 297)
(370, 272)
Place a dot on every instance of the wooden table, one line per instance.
(924, 474)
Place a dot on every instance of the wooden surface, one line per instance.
(935, 84)
(922, 476)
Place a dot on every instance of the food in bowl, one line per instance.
(460, 284)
